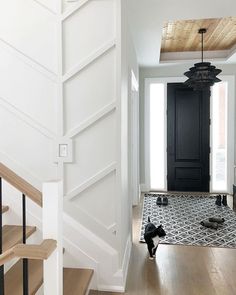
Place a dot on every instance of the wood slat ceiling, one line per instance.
(178, 36)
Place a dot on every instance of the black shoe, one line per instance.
(159, 201)
(164, 201)
(224, 201)
(218, 200)
(217, 219)
(209, 224)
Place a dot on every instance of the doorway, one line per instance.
(155, 131)
(188, 141)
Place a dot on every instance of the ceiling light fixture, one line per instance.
(202, 75)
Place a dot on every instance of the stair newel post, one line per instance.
(25, 261)
(1, 267)
(52, 228)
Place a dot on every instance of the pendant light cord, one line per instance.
(202, 46)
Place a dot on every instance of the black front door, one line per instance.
(188, 118)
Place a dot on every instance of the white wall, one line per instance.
(28, 92)
(164, 71)
(128, 64)
(90, 120)
(65, 70)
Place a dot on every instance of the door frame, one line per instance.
(231, 130)
(134, 187)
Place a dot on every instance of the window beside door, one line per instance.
(157, 136)
(219, 136)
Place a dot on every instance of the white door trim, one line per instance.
(134, 139)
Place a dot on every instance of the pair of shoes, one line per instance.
(217, 219)
(209, 224)
(212, 222)
(162, 201)
(220, 200)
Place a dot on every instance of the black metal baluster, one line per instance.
(1, 267)
(25, 261)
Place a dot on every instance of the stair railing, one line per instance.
(25, 260)
(40, 252)
(52, 209)
(2, 266)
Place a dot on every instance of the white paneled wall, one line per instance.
(88, 92)
(96, 143)
(60, 73)
(93, 25)
(28, 90)
(90, 81)
(31, 29)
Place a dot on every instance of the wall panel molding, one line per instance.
(77, 6)
(91, 181)
(26, 118)
(45, 7)
(96, 54)
(102, 113)
(28, 60)
(84, 218)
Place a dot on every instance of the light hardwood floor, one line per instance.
(178, 270)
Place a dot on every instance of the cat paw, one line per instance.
(151, 258)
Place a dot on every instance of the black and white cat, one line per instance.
(151, 237)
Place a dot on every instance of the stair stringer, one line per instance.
(94, 252)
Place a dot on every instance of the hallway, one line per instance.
(178, 270)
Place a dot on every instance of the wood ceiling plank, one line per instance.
(178, 36)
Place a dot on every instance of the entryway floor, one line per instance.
(178, 270)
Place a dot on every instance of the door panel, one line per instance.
(187, 138)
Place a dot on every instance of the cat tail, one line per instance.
(149, 220)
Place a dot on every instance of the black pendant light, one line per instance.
(202, 75)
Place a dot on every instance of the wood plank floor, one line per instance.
(178, 270)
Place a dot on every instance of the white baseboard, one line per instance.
(108, 288)
(120, 275)
(126, 259)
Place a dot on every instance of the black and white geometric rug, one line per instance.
(181, 220)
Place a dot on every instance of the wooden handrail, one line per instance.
(21, 184)
(40, 252)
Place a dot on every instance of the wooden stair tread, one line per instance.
(12, 235)
(5, 209)
(14, 280)
(76, 280)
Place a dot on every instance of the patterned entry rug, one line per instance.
(181, 220)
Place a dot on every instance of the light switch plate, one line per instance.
(63, 150)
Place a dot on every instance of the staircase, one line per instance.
(75, 281)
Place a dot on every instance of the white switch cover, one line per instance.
(63, 150)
